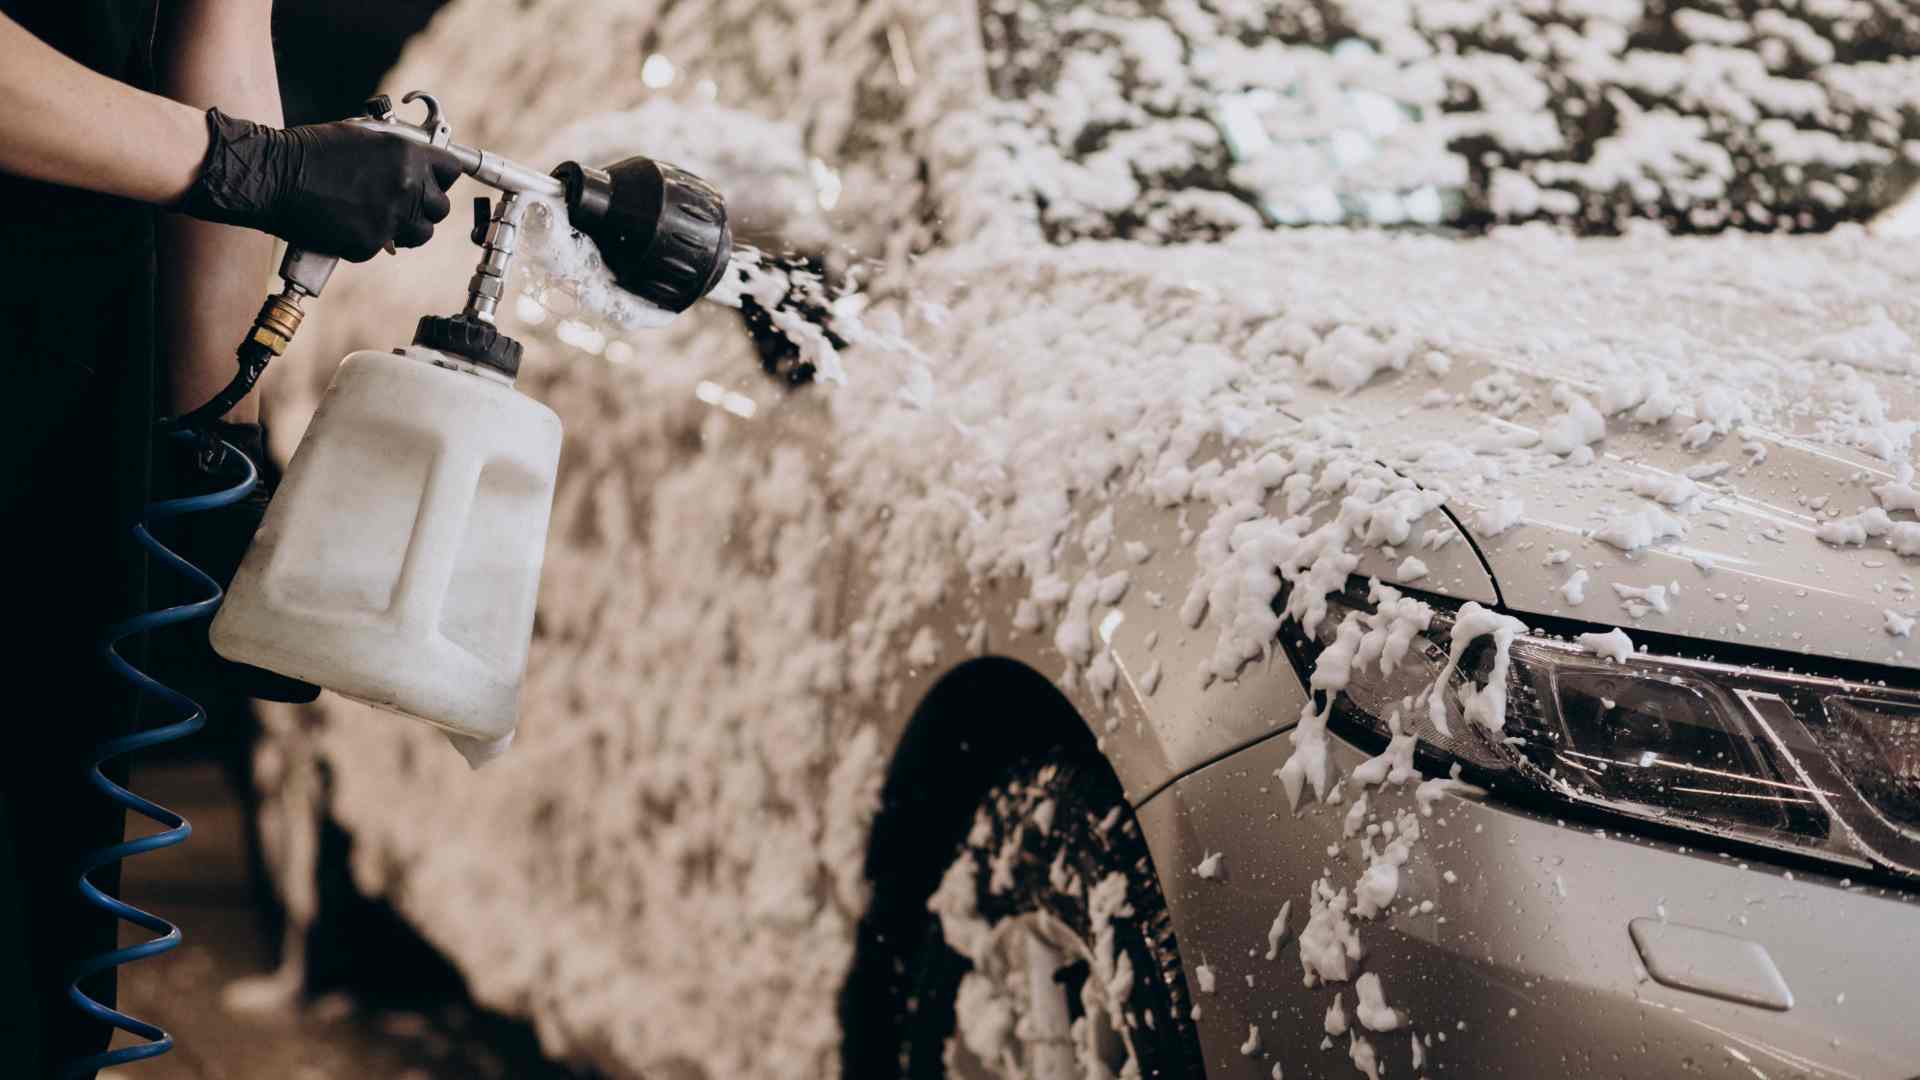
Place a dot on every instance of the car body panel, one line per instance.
(1525, 965)
(1191, 720)
(1750, 570)
(1152, 727)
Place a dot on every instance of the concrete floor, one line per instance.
(358, 1033)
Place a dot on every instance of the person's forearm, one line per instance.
(213, 277)
(67, 124)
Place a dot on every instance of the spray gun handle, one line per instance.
(489, 168)
(305, 273)
(309, 272)
(306, 270)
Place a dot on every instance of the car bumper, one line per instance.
(1526, 963)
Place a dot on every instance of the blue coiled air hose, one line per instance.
(191, 717)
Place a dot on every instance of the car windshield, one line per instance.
(1187, 119)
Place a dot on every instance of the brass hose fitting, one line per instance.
(278, 321)
(272, 332)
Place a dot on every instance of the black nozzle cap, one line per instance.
(480, 342)
(662, 230)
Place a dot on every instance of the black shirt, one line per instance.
(77, 334)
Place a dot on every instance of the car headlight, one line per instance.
(1820, 766)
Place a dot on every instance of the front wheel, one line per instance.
(1046, 950)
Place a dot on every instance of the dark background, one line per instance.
(332, 53)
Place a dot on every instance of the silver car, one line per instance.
(1243, 614)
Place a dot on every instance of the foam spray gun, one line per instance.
(399, 561)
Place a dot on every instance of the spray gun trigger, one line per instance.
(482, 217)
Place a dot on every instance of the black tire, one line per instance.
(1094, 832)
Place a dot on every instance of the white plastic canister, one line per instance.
(399, 561)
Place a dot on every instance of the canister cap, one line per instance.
(480, 342)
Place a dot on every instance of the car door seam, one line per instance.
(1215, 759)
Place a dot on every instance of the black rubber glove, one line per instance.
(215, 541)
(335, 188)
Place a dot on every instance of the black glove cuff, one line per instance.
(234, 186)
